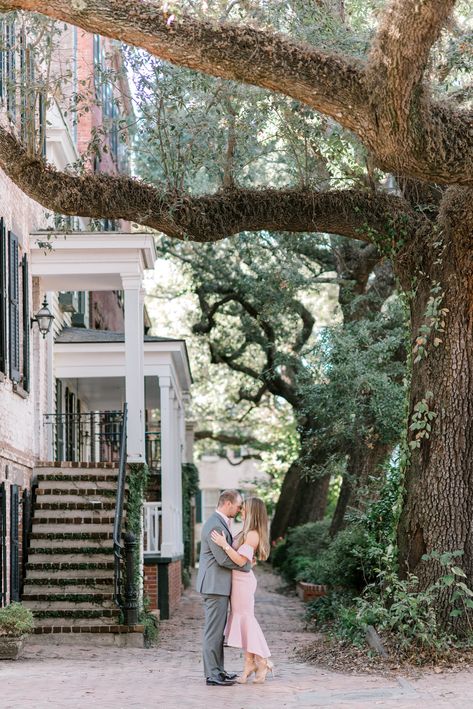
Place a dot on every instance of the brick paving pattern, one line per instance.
(170, 676)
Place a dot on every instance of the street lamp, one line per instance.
(44, 318)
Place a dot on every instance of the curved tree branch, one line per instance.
(329, 83)
(353, 213)
(400, 51)
(383, 101)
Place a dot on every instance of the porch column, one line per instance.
(179, 446)
(167, 466)
(134, 365)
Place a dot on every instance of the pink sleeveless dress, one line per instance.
(242, 629)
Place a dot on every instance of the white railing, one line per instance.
(152, 527)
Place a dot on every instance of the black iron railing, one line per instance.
(117, 524)
(92, 436)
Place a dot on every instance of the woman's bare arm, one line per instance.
(234, 555)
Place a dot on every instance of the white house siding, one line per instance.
(20, 440)
(217, 474)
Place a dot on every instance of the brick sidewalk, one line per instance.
(170, 676)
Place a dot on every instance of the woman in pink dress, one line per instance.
(243, 629)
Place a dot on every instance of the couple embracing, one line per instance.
(225, 572)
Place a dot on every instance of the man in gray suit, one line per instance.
(214, 582)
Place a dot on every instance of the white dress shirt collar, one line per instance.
(224, 517)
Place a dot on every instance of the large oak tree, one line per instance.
(386, 98)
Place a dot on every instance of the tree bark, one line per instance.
(362, 464)
(438, 500)
(303, 496)
(382, 100)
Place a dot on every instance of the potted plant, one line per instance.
(16, 622)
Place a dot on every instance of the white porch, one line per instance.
(105, 369)
(94, 362)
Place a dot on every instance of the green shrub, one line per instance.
(16, 620)
(278, 553)
(349, 561)
(297, 552)
(186, 577)
(404, 614)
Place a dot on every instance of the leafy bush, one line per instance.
(400, 611)
(296, 553)
(347, 561)
(16, 620)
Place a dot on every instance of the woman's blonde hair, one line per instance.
(256, 518)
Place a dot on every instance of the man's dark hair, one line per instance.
(228, 496)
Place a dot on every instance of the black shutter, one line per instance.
(59, 422)
(14, 543)
(26, 323)
(14, 340)
(3, 546)
(26, 506)
(3, 298)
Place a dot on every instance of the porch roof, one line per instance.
(86, 261)
(81, 353)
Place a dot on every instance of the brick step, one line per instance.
(88, 504)
(81, 465)
(55, 575)
(64, 514)
(121, 629)
(71, 536)
(74, 494)
(90, 529)
(49, 470)
(85, 548)
(70, 566)
(66, 602)
(74, 518)
(88, 477)
(98, 486)
(62, 557)
(71, 546)
(52, 621)
(74, 585)
(69, 616)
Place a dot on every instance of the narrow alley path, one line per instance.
(170, 676)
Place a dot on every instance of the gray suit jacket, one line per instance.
(215, 566)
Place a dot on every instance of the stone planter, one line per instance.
(11, 647)
(309, 591)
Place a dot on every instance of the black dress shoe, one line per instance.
(220, 681)
(230, 675)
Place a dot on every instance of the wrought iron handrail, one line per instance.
(117, 524)
(86, 436)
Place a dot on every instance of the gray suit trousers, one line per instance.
(215, 618)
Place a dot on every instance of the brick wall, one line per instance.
(150, 585)
(170, 597)
(175, 585)
(106, 313)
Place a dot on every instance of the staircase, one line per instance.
(69, 580)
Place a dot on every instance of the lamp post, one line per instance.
(44, 318)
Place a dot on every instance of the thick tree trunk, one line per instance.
(362, 464)
(302, 499)
(438, 504)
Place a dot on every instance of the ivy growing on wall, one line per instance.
(190, 487)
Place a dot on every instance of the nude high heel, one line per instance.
(249, 668)
(263, 667)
